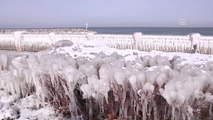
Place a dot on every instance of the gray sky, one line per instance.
(105, 13)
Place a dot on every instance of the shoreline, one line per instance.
(26, 41)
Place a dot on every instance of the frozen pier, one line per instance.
(23, 41)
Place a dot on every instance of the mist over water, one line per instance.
(153, 30)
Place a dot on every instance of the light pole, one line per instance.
(86, 24)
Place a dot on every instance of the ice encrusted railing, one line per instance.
(169, 43)
(109, 87)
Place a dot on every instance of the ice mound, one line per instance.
(62, 43)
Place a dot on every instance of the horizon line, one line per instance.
(58, 27)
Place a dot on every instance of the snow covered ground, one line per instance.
(115, 84)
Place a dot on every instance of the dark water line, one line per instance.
(153, 30)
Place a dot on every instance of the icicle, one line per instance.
(125, 111)
(123, 99)
(155, 110)
(165, 113)
(90, 109)
(173, 113)
(210, 109)
(149, 111)
(144, 109)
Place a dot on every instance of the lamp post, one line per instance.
(86, 24)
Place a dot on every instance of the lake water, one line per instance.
(153, 30)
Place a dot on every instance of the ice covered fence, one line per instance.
(96, 82)
(23, 41)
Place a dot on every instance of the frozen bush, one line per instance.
(158, 75)
(88, 69)
(81, 60)
(210, 65)
(153, 61)
(162, 60)
(97, 61)
(111, 85)
(106, 72)
(177, 65)
(148, 87)
(146, 60)
(114, 56)
(191, 70)
(134, 82)
(120, 76)
(141, 78)
(95, 88)
(118, 63)
(20, 62)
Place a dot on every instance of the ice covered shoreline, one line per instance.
(24, 41)
(92, 80)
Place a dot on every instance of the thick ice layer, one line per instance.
(83, 79)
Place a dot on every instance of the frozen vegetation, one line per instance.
(92, 81)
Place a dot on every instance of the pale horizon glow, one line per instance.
(105, 13)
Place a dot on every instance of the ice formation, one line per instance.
(95, 82)
(8, 112)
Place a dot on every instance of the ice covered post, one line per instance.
(90, 36)
(137, 37)
(18, 39)
(194, 38)
(52, 37)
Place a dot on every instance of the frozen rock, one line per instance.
(62, 43)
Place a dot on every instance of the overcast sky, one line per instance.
(105, 13)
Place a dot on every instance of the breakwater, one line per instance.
(23, 41)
